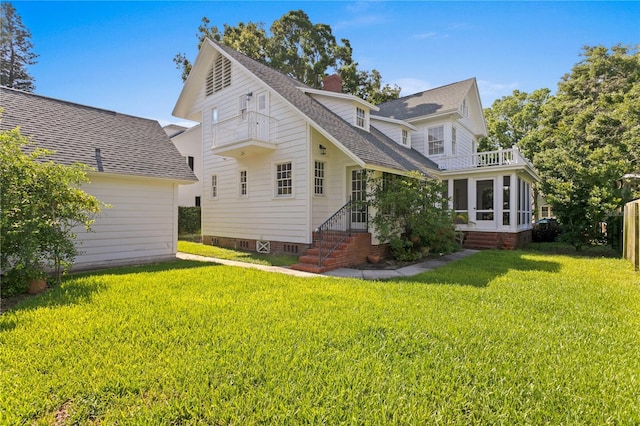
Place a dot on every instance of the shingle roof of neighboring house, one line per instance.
(441, 99)
(128, 145)
(372, 148)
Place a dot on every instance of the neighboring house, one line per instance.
(285, 164)
(188, 141)
(137, 171)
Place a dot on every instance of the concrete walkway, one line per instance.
(366, 274)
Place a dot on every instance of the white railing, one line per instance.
(502, 157)
(247, 126)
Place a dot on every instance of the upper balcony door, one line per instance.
(262, 116)
(485, 204)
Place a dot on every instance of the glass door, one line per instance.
(359, 209)
(485, 209)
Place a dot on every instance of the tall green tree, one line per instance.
(15, 50)
(300, 49)
(512, 121)
(589, 138)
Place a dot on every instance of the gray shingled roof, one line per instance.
(440, 99)
(374, 148)
(128, 145)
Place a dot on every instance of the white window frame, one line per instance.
(361, 118)
(435, 146)
(278, 178)
(243, 106)
(243, 181)
(405, 137)
(214, 115)
(214, 187)
(454, 140)
(465, 107)
(319, 175)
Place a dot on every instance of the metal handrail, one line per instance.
(339, 227)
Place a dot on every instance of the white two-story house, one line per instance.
(285, 165)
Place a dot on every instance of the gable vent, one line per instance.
(219, 75)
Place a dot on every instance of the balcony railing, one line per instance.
(247, 126)
(502, 157)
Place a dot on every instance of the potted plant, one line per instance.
(36, 279)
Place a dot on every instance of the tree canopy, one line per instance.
(299, 48)
(582, 140)
(15, 50)
(512, 120)
(590, 137)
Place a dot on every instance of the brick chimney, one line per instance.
(332, 83)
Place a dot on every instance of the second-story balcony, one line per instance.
(499, 158)
(244, 135)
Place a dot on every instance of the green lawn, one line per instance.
(241, 256)
(501, 337)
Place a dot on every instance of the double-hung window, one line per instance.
(435, 139)
(284, 180)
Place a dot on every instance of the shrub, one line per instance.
(188, 220)
(408, 213)
(42, 206)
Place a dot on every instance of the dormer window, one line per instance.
(360, 118)
(219, 75)
(405, 137)
(465, 107)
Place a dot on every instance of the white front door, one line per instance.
(485, 203)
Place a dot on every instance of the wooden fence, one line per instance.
(632, 233)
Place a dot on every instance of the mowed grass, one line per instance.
(497, 338)
(241, 256)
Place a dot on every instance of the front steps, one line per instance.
(482, 240)
(352, 251)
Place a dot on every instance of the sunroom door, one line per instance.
(485, 203)
(359, 210)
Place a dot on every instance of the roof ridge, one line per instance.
(75, 104)
(434, 88)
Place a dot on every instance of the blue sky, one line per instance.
(118, 55)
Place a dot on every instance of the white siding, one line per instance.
(188, 144)
(342, 107)
(336, 184)
(464, 138)
(394, 131)
(259, 215)
(140, 226)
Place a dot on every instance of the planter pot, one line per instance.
(373, 258)
(37, 286)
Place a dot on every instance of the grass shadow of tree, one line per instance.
(79, 288)
(484, 267)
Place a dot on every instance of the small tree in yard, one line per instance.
(42, 204)
(411, 214)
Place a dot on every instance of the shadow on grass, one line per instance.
(79, 288)
(482, 268)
